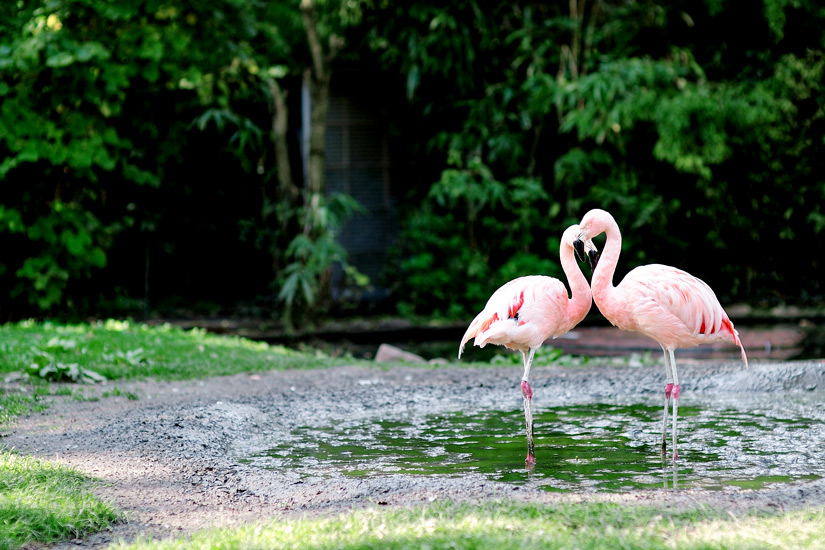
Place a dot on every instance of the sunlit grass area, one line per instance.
(502, 525)
(43, 503)
(125, 350)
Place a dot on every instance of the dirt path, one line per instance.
(167, 457)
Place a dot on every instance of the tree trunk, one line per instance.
(280, 119)
(317, 80)
(319, 97)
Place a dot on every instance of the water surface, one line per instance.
(595, 447)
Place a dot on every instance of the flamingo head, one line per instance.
(584, 248)
(595, 222)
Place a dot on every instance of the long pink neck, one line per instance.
(579, 304)
(603, 289)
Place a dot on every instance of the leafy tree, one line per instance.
(112, 110)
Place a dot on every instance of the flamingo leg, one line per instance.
(677, 389)
(668, 394)
(527, 391)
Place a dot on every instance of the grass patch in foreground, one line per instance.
(504, 525)
(44, 503)
(125, 350)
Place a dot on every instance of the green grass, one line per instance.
(15, 403)
(503, 525)
(43, 503)
(121, 350)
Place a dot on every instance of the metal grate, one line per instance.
(357, 163)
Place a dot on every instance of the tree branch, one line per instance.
(280, 118)
(309, 13)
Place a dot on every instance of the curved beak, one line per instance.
(593, 257)
(578, 246)
(585, 249)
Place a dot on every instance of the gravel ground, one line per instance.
(167, 458)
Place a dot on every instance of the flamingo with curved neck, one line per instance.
(667, 304)
(525, 312)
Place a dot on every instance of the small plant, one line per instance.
(133, 357)
(305, 281)
(44, 366)
(546, 356)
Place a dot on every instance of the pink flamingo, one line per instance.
(525, 312)
(671, 306)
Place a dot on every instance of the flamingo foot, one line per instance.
(530, 460)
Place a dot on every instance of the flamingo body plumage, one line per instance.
(525, 312)
(671, 306)
(522, 314)
(667, 304)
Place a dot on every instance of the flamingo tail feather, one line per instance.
(736, 340)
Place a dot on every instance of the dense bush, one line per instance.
(98, 103)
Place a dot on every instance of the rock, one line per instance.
(386, 352)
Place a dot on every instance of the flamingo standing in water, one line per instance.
(671, 306)
(525, 312)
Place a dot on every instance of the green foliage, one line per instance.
(118, 119)
(448, 267)
(60, 372)
(435, 252)
(703, 146)
(44, 365)
(69, 68)
(135, 144)
(311, 255)
(70, 241)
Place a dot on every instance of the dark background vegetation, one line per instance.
(138, 174)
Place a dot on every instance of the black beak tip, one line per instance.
(578, 246)
(593, 257)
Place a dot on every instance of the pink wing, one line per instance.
(676, 308)
(520, 314)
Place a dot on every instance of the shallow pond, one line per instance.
(597, 447)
